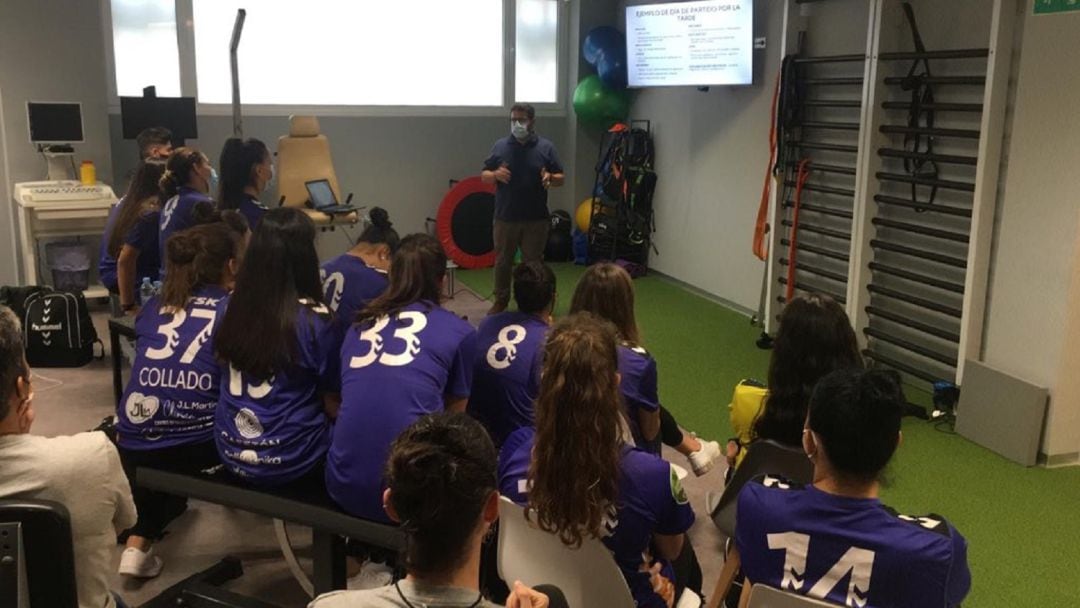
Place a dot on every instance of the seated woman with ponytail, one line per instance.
(188, 180)
(405, 357)
(358, 276)
(131, 242)
(607, 291)
(165, 418)
(247, 170)
(279, 346)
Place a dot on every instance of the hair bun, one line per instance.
(379, 218)
(181, 248)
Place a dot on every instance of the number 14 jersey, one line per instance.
(851, 551)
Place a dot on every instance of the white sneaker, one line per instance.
(134, 562)
(702, 460)
(372, 575)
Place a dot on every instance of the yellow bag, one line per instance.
(745, 407)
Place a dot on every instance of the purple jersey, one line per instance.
(271, 432)
(393, 371)
(173, 391)
(106, 262)
(252, 209)
(851, 551)
(651, 501)
(349, 284)
(639, 389)
(176, 216)
(509, 350)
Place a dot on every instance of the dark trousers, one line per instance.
(530, 236)
(670, 432)
(156, 509)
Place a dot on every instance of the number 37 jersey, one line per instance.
(173, 391)
(393, 371)
(850, 551)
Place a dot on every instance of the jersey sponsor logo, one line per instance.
(140, 408)
(509, 337)
(677, 491)
(856, 566)
(252, 458)
(248, 424)
(165, 377)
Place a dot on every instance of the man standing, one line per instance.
(522, 166)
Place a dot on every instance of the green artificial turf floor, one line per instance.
(1022, 525)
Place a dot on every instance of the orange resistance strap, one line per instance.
(804, 173)
(761, 225)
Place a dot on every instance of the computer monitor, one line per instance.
(55, 122)
(320, 193)
(176, 114)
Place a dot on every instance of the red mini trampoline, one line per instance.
(464, 223)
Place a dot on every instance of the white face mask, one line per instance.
(519, 129)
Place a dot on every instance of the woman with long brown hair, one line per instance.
(131, 249)
(607, 291)
(188, 181)
(583, 481)
(815, 338)
(406, 356)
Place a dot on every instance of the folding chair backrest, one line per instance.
(587, 576)
(763, 457)
(37, 560)
(763, 596)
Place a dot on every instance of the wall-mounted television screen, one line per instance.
(709, 42)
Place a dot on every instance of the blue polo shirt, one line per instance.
(524, 198)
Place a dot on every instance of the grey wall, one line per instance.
(401, 164)
(50, 50)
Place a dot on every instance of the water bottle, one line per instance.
(157, 288)
(146, 291)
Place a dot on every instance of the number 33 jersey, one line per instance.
(173, 391)
(851, 551)
(393, 371)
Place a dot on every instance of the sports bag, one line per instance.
(58, 330)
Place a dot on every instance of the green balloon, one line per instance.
(596, 105)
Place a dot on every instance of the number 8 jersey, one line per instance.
(393, 371)
(173, 391)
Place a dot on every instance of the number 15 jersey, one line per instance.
(393, 371)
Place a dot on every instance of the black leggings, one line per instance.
(156, 509)
(670, 433)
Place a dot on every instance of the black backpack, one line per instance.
(58, 330)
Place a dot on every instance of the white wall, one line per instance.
(50, 50)
(1037, 222)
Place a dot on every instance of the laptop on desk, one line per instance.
(322, 198)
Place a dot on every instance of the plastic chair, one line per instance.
(763, 596)
(37, 560)
(303, 156)
(763, 457)
(587, 576)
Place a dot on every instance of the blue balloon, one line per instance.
(601, 41)
(612, 70)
